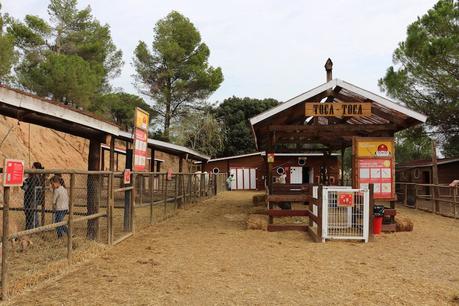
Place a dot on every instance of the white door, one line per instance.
(240, 179)
(296, 175)
(311, 176)
(246, 179)
(253, 178)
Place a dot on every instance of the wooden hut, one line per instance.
(328, 119)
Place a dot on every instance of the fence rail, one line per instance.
(438, 199)
(102, 210)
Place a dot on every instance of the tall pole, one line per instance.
(435, 176)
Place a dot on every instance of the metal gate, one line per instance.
(345, 213)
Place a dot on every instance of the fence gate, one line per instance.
(345, 213)
(121, 208)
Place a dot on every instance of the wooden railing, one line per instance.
(438, 199)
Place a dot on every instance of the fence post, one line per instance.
(371, 236)
(415, 196)
(141, 189)
(454, 201)
(5, 246)
(70, 223)
(99, 200)
(319, 214)
(152, 177)
(110, 209)
(176, 192)
(133, 194)
(405, 199)
(165, 195)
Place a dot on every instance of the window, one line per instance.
(215, 170)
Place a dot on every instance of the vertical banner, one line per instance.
(141, 122)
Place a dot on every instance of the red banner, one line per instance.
(13, 172)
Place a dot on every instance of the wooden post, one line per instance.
(112, 153)
(100, 178)
(342, 164)
(93, 186)
(128, 193)
(133, 193)
(151, 197)
(5, 245)
(319, 214)
(165, 195)
(415, 196)
(435, 177)
(141, 181)
(70, 225)
(110, 203)
(179, 181)
(371, 236)
(405, 198)
(455, 201)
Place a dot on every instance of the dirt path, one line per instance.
(204, 256)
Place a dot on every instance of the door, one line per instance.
(253, 179)
(246, 179)
(240, 179)
(296, 175)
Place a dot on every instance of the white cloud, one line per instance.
(266, 48)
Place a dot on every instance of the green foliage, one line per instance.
(426, 72)
(8, 56)
(120, 108)
(176, 73)
(412, 144)
(235, 113)
(74, 47)
(200, 131)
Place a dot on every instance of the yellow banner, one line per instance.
(375, 148)
(142, 119)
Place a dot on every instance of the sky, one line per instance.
(266, 48)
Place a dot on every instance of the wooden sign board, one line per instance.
(341, 109)
(142, 119)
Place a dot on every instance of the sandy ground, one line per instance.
(205, 256)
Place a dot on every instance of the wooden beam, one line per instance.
(337, 128)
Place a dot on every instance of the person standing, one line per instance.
(60, 203)
(34, 195)
(229, 182)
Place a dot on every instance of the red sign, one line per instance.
(345, 199)
(140, 149)
(379, 173)
(127, 176)
(13, 172)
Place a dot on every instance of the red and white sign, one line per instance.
(379, 173)
(140, 149)
(127, 176)
(13, 172)
(345, 199)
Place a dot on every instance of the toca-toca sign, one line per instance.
(340, 109)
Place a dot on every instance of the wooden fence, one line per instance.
(101, 209)
(438, 199)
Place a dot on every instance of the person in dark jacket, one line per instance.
(34, 195)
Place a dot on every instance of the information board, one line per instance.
(140, 149)
(374, 164)
(142, 119)
(13, 172)
(340, 109)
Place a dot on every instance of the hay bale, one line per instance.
(259, 199)
(403, 224)
(257, 222)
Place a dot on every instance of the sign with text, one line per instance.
(345, 199)
(142, 119)
(375, 148)
(379, 173)
(13, 172)
(339, 109)
(140, 149)
(127, 176)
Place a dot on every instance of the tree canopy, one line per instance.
(175, 73)
(235, 113)
(120, 108)
(7, 54)
(70, 59)
(425, 74)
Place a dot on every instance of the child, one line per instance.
(60, 203)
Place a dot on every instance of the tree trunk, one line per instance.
(168, 115)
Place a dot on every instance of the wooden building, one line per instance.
(328, 119)
(420, 171)
(300, 168)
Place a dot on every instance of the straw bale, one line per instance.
(403, 224)
(257, 221)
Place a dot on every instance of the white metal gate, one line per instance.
(345, 213)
